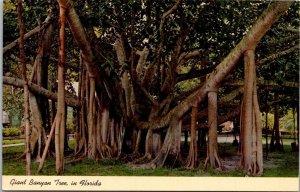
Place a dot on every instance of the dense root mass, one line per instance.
(170, 151)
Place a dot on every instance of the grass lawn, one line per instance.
(284, 164)
(13, 141)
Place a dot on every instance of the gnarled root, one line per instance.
(169, 153)
(214, 161)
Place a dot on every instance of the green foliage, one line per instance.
(187, 85)
(270, 120)
(10, 153)
(12, 102)
(10, 30)
(10, 132)
(287, 122)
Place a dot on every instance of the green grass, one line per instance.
(282, 164)
(278, 164)
(9, 153)
(13, 141)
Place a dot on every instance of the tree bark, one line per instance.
(38, 104)
(91, 116)
(193, 151)
(251, 136)
(26, 90)
(38, 132)
(258, 153)
(60, 125)
(213, 158)
(170, 151)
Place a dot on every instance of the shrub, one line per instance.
(10, 132)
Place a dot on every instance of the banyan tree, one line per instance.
(147, 72)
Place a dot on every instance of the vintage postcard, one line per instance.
(149, 95)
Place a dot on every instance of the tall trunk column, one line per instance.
(60, 121)
(193, 151)
(91, 124)
(26, 90)
(212, 148)
(251, 136)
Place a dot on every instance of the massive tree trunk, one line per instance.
(91, 122)
(38, 136)
(38, 104)
(26, 91)
(81, 139)
(103, 119)
(251, 142)
(213, 158)
(170, 151)
(60, 122)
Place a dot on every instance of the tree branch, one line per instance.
(249, 41)
(162, 21)
(277, 55)
(71, 100)
(28, 34)
(188, 55)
